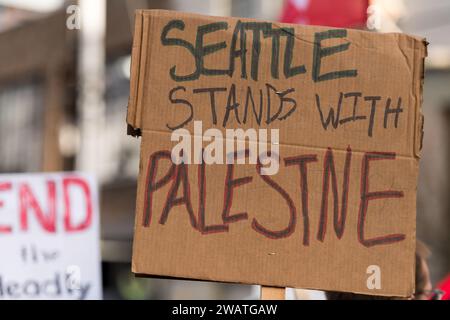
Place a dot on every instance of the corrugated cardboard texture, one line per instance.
(285, 230)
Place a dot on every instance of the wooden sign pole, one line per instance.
(272, 293)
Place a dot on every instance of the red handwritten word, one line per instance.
(29, 205)
(177, 175)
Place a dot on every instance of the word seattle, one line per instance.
(237, 49)
(213, 153)
(177, 176)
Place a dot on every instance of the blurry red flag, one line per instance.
(445, 286)
(332, 13)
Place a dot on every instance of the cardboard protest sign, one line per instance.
(276, 154)
(49, 237)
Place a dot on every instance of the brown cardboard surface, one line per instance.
(305, 245)
(272, 293)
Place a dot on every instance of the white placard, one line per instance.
(49, 236)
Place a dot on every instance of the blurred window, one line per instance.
(121, 152)
(21, 127)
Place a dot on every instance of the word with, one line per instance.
(238, 50)
(213, 152)
(334, 115)
(177, 175)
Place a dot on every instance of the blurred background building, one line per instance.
(43, 126)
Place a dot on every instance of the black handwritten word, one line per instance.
(267, 104)
(176, 176)
(237, 49)
(335, 119)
